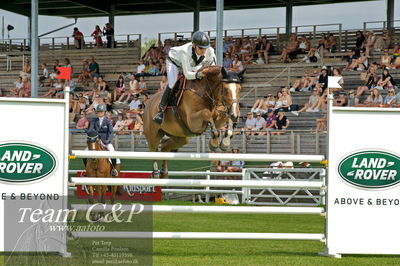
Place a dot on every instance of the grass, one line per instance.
(220, 252)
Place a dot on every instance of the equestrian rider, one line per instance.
(189, 58)
(104, 128)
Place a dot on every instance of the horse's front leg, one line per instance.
(207, 116)
(164, 169)
(226, 140)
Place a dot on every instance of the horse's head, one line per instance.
(92, 140)
(231, 91)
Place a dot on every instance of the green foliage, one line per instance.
(147, 45)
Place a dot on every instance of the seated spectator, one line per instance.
(126, 93)
(250, 123)
(282, 123)
(228, 43)
(60, 89)
(265, 103)
(110, 117)
(119, 88)
(236, 65)
(360, 63)
(152, 69)
(312, 104)
(134, 105)
(44, 76)
(340, 100)
(83, 122)
(395, 102)
(25, 91)
(85, 74)
(270, 120)
(138, 126)
(163, 83)
(140, 68)
(323, 80)
(102, 86)
(163, 68)
(387, 102)
(291, 46)
(119, 125)
(312, 56)
(227, 61)
(67, 63)
(351, 59)
(96, 101)
(302, 84)
(97, 33)
(323, 102)
(360, 40)
(167, 47)
(352, 100)
(396, 57)
(53, 92)
(94, 68)
(129, 122)
(108, 31)
(337, 73)
(26, 70)
(332, 44)
(383, 42)
(386, 81)
(369, 43)
(322, 124)
(375, 99)
(259, 126)
(370, 81)
(54, 72)
(235, 166)
(19, 84)
(145, 98)
(286, 101)
(265, 49)
(278, 102)
(323, 44)
(78, 38)
(222, 165)
(386, 59)
(142, 85)
(304, 48)
(236, 48)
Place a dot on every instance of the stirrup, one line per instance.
(158, 118)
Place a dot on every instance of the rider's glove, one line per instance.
(198, 75)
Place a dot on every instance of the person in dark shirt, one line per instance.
(108, 31)
(282, 123)
(360, 40)
(94, 68)
(323, 79)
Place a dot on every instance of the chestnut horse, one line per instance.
(100, 167)
(212, 101)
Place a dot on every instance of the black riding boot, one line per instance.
(161, 107)
(114, 171)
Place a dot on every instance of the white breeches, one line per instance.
(172, 74)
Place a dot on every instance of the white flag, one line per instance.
(333, 82)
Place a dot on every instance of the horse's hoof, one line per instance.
(211, 147)
(155, 174)
(163, 173)
(225, 143)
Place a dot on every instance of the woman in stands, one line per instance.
(389, 98)
(163, 83)
(386, 81)
(237, 65)
(142, 85)
(262, 104)
(265, 48)
(286, 101)
(119, 88)
(235, 49)
(337, 73)
(97, 33)
(96, 102)
(304, 48)
(282, 123)
(386, 59)
(291, 46)
(302, 84)
(332, 44)
(360, 40)
(371, 79)
(18, 85)
(369, 43)
(383, 42)
(102, 85)
(375, 99)
(360, 63)
(85, 76)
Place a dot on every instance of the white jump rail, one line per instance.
(251, 157)
(200, 235)
(206, 209)
(178, 173)
(197, 183)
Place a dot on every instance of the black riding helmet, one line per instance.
(201, 39)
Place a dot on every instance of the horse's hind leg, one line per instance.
(172, 144)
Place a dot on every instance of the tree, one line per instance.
(147, 45)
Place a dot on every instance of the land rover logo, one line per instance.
(23, 162)
(370, 169)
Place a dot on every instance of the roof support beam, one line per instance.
(289, 16)
(389, 13)
(196, 16)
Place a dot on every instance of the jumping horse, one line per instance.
(211, 102)
(100, 167)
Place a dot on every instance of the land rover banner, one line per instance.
(364, 181)
(33, 153)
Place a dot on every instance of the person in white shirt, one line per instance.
(134, 104)
(189, 58)
(140, 67)
(44, 76)
(250, 123)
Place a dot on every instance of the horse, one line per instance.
(100, 167)
(212, 101)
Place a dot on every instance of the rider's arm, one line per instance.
(110, 130)
(91, 125)
(187, 71)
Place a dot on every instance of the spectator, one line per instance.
(235, 166)
(383, 42)
(291, 46)
(134, 86)
(386, 81)
(259, 126)
(323, 102)
(18, 86)
(67, 63)
(138, 126)
(370, 81)
(126, 93)
(246, 49)
(322, 124)
(222, 165)
(352, 57)
(302, 84)
(119, 88)
(236, 65)
(369, 43)
(352, 100)
(396, 100)
(83, 122)
(341, 100)
(94, 68)
(129, 123)
(85, 75)
(386, 59)
(60, 89)
(250, 123)
(227, 61)
(282, 123)
(270, 120)
(375, 99)
(142, 85)
(151, 53)
(360, 63)
(44, 76)
(304, 47)
(25, 91)
(360, 40)
(134, 104)
(265, 103)
(279, 101)
(389, 98)
(163, 69)
(167, 47)
(163, 83)
(78, 38)
(323, 79)
(108, 31)
(332, 44)
(110, 117)
(312, 56)
(396, 57)
(152, 69)
(98, 41)
(96, 101)
(26, 70)
(145, 98)
(264, 49)
(54, 72)
(159, 51)
(336, 73)
(119, 125)
(228, 43)
(95, 88)
(102, 85)
(140, 68)
(312, 104)
(323, 44)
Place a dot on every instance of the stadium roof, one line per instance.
(99, 8)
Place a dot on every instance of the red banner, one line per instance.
(131, 192)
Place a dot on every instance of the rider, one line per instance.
(103, 126)
(189, 58)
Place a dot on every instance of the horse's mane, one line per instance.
(211, 70)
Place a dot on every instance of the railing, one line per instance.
(292, 142)
(383, 24)
(67, 42)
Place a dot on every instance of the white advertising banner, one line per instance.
(33, 170)
(363, 207)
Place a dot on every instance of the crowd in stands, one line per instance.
(97, 34)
